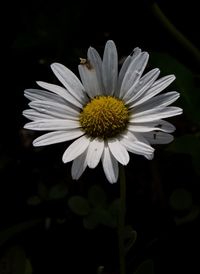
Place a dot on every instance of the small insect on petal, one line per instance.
(85, 62)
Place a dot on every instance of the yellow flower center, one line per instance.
(104, 117)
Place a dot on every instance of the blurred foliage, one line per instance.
(147, 267)
(55, 192)
(14, 261)
(95, 208)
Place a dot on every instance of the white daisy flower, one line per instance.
(108, 113)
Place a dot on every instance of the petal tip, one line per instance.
(55, 65)
(173, 77)
(35, 144)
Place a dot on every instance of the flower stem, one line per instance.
(121, 223)
(175, 32)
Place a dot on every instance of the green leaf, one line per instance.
(181, 200)
(34, 200)
(98, 216)
(103, 216)
(100, 269)
(28, 267)
(147, 267)
(106, 216)
(6, 234)
(97, 196)
(191, 216)
(58, 191)
(79, 205)
(91, 220)
(14, 261)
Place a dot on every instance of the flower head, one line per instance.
(109, 114)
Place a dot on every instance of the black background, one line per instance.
(35, 34)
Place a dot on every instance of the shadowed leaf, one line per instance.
(14, 261)
(97, 196)
(147, 267)
(79, 205)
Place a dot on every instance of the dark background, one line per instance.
(36, 34)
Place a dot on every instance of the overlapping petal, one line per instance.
(94, 152)
(158, 137)
(110, 165)
(52, 124)
(133, 73)
(70, 81)
(160, 125)
(61, 92)
(57, 137)
(90, 80)
(79, 165)
(76, 149)
(96, 63)
(110, 68)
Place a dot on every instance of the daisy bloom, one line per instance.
(108, 113)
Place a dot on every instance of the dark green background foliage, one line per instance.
(50, 224)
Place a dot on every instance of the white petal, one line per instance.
(34, 115)
(134, 73)
(144, 83)
(125, 66)
(134, 145)
(156, 88)
(162, 100)
(52, 124)
(155, 114)
(57, 137)
(96, 62)
(39, 94)
(149, 156)
(70, 81)
(61, 92)
(158, 137)
(118, 151)
(76, 149)
(165, 126)
(78, 166)
(110, 165)
(89, 80)
(94, 153)
(110, 67)
(150, 126)
(54, 109)
(123, 71)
